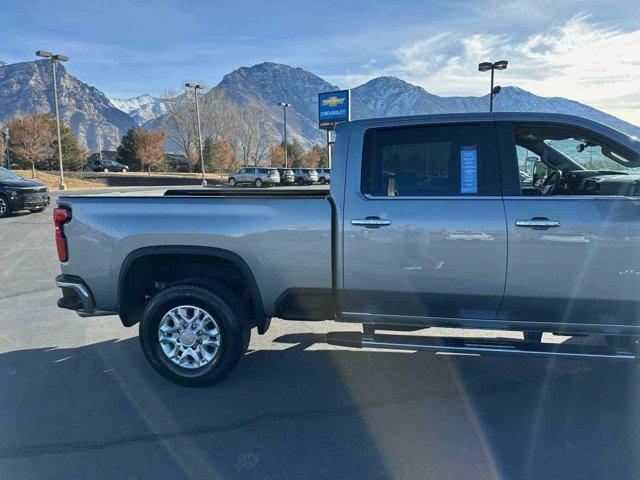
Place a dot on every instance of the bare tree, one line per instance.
(149, 148)
(216, 114)
(179, 124)
(221, 119)
(30, 140)
(249, 135)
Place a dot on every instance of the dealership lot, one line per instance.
(80, 401)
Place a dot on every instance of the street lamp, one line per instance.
(284, 106)
(485, 67)
(196, 87)
(57, 57)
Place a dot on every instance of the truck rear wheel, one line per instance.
(193, 336)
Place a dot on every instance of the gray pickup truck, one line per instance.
(426, 224)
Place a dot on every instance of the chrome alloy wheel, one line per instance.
(3, 206)
(189, 336)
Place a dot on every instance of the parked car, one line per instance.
(287, 177)
(256, 176)
(427, 224)
(324, 175)
(17, 193)
(107, 166)
(305, 176)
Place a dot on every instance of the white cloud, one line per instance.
(580, 59)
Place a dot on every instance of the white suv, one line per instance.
(257, 176)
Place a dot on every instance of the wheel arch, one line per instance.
(127, 315)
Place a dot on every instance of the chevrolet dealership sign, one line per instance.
(333, 108)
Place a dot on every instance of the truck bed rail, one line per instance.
(250, 192)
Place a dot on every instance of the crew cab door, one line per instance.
(574, 255)
(424, 226)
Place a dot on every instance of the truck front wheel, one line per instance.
(193, 336)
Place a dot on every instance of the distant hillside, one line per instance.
(267, 84)
(390, 96)
(26, 89)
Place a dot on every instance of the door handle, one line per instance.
(371, 222)
(538, 222)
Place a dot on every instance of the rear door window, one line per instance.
(425, 161)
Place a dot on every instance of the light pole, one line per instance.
(196, 87)
(57, 57)
(486, 66)
(284, 106)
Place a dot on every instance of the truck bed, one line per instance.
(284, 236)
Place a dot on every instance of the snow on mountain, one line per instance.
(390, 96)
(142, 108)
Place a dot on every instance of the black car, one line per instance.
(17, 193)
(107, 166)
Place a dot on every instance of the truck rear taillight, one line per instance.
(60, 217)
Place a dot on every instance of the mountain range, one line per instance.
(25, 88)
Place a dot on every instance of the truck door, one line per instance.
(573, 244)
(424, 224)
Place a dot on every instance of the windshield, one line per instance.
(570, 148)
(589, 155)
(8, 175)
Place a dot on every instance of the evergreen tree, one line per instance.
(73, 155)
(127, 150)
(208, 155)
(295, 154)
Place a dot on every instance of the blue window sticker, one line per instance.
(468, 169)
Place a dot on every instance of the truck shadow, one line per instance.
(308, 411)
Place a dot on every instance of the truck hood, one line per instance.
(22, 183)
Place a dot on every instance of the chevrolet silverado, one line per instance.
(428, 222)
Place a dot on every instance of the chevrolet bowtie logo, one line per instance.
(332, 101)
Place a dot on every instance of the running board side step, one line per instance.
(476, 346)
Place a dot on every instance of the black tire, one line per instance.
(322, 181)
(224, 306)
(300, 182)
(232, 182)
(258, 183)
(5, 206)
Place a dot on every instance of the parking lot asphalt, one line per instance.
(78, 400)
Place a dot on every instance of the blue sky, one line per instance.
(585, 50)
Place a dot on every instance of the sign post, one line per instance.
(333, 108)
